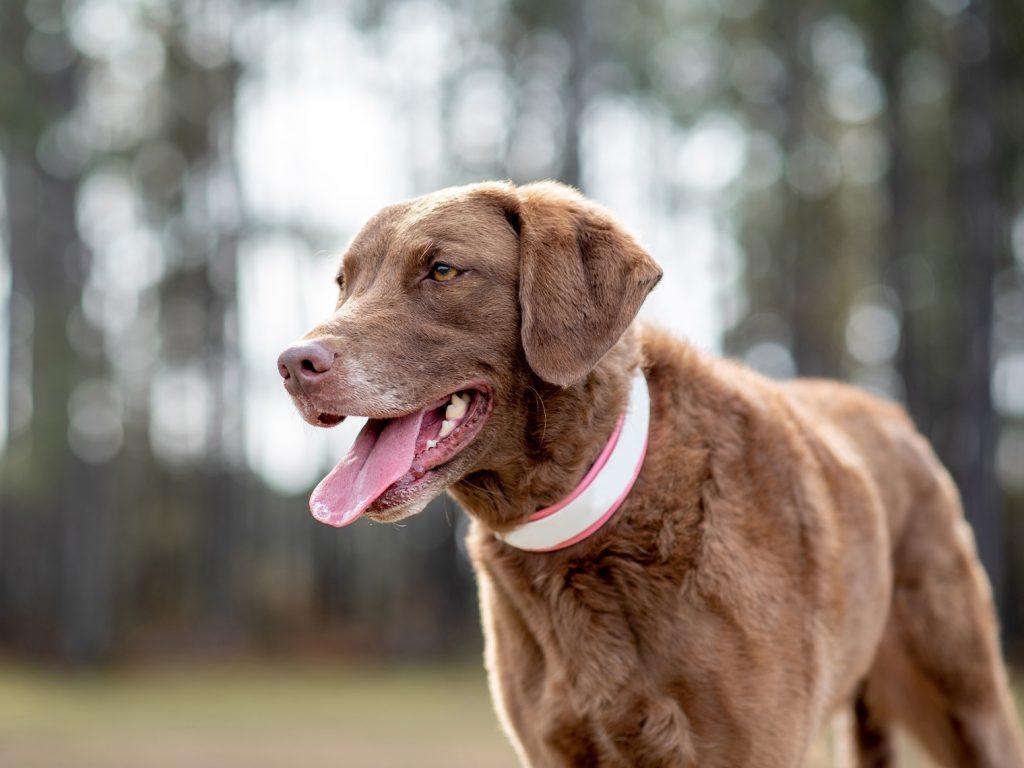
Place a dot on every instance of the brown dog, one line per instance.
(787, 549)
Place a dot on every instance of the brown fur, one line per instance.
(788, 550)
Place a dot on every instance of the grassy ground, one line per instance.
(253, 717)
(258, 717)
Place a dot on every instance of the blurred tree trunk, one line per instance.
(1008, 61)
(575, 30)
(203, 281)
(56, 546)
(890, 32)
(978, 247)
(223, 505)
(806, 242)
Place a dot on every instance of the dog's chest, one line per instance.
(532, 686)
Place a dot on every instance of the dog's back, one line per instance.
(902, 463)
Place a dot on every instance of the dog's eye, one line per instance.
(442, 272)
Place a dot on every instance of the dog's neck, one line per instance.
(602, 490)
(564, 432)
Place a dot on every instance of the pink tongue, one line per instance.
(378, 458)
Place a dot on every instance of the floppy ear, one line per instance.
(582, 279)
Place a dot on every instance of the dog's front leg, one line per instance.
(627, 720)
(639, 729)
(649, 730)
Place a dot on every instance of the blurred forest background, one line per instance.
(833, 188)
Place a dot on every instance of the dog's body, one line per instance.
(784, 544)
(787, 550)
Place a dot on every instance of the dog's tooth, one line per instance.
(456, 408)
(446, 428)
(431, 443)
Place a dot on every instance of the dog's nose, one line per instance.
(305, 362)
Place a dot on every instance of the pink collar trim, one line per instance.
(603, 488)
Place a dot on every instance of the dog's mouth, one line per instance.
(393, 461)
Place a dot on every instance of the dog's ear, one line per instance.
(582, 279)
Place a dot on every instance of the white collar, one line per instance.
(601, 491)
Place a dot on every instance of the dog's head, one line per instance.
(450, 307)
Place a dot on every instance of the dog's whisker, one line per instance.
(544, 414)
(495, 494)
